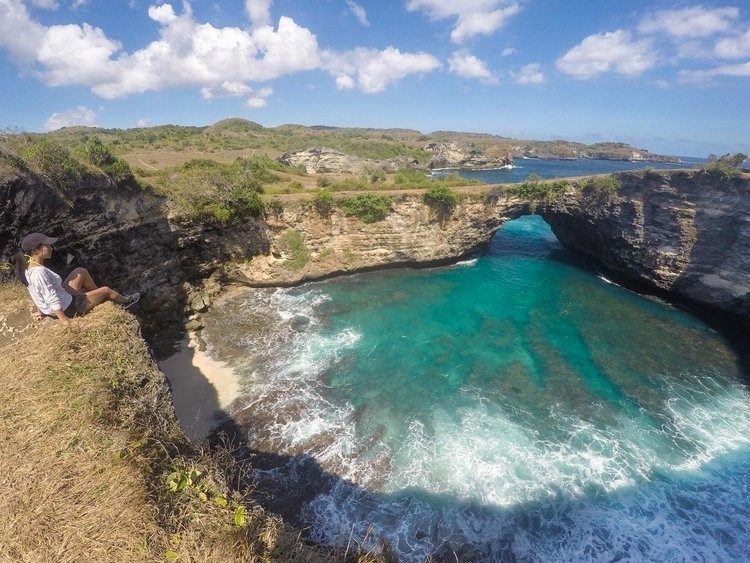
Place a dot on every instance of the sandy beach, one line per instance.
(202, 388)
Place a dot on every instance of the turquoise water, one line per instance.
(516, 405)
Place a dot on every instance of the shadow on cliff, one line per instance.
(638, 521)
(722, 244)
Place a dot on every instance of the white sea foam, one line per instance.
(605, 279)
(484, 479)
(466, 263)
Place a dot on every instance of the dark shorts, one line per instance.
(77, 307)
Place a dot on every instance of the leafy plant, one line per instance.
(536, 188)
(410, 176)
(323, 202)
(368, 208)
(275, 207)
(294, 244)
(609, 185)
(377, 176)
(54, 163)
(726, 165)
(442, 200)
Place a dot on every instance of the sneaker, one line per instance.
(131, 300)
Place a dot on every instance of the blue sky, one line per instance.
(669, 76)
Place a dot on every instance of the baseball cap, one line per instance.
(33, 240)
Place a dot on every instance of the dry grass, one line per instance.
(90, 445)
(65, 492)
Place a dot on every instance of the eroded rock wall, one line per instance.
(412, 234)
(125, 239)
(685, 232)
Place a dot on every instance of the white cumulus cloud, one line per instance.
(259, 99)
(219, 61)
(259, 12)
(740, 70)
(734, 47)
(530, 74)
(695, 21)
(359, 12)
(473, 17)
(466, 65)
(614, 51)
(46, 4)
(80, 115)
(226, 89)
(376, 70)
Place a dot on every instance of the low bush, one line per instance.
(368, 208)
(274, 207)
(411, 176)
(442, 200)
(293, 243)
(323, 202)
(535, 188)
(725, 166)
(54, 163)
(609, 185)
(350, 185)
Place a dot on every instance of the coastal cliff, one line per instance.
(412, 234)
(684, 232)
(687, 233)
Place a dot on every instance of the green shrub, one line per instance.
(294, 244)
(442, 200)
(53, 163)
(118, 170)
(368, 208)
(411, 176)
(726, 166)
(609, 185)
(95, 152)
(323, 181)
(323, 202)
(535, 188)
(350, 185)
(245, 199)
(377, 176)
(275, 207)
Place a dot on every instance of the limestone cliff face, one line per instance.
(684, 232)
(412, 234)
(125, 239)
(322, 160)
(456, 155)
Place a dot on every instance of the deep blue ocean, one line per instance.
(560, 168)
(517, 405)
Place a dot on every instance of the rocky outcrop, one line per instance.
(455, 155)
(567, 150)
(687, 233)
(322, 160)
(125, 239)
(412, 234)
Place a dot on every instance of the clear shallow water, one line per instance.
(560, 168)
(514, 405)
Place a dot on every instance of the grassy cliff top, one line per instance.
(95, 466)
